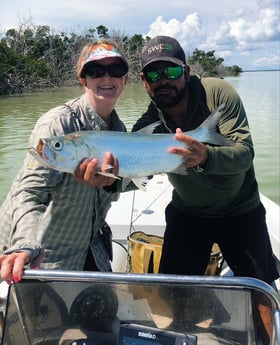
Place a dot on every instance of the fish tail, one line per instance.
(219, 139)
(213, 119)
(210, 124)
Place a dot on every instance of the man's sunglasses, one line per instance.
(98, 71)
(171, 72)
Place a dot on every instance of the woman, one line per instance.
(56, 219)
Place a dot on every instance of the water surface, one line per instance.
(259, 92)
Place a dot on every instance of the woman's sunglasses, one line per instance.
(98, 71)
(171, 72)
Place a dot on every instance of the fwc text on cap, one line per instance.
(162, 48)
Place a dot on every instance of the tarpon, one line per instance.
(140, 154)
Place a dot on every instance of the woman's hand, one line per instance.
(12, 266)
(88, 171)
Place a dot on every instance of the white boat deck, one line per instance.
(273, 223)
(145, 211)
(141, 211)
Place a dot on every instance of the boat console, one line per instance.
(92, 308)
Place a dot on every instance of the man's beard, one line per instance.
(168, 100)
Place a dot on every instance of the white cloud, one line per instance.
(186, 32)
(240, 35)
(267, 3)
(225, 54)
(268, 61)
(265, 28)
(240, 32)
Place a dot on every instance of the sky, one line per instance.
(243, 33)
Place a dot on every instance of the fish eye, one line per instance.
(57, 144)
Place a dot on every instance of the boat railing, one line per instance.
(65, 307)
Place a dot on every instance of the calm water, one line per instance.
(259, 92)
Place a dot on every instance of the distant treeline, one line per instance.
(35, 57)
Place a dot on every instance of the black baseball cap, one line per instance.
(162, 48)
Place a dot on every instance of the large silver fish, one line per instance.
(139, 154)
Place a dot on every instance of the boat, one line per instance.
(93, 308)
(144, 211)
(124, 307)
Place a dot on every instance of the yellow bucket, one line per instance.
(145, 252)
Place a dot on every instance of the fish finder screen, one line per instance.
(133, 334)
(137, 341)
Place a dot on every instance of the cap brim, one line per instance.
(164, 58)
(94, 60)
(105, 57)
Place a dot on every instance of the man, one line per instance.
(56, 214)
(218, 199)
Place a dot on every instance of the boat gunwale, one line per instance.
(218, 282)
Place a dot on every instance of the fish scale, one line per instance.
(140, 154)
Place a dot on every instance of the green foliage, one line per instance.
(207, 61)
(206, 64)
(102, 31)
(33, 57)
(132, 49)
(234, 70)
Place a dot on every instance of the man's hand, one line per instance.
(12, 266)
(195, 152)
(88, 171)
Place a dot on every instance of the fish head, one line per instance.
(60, 153)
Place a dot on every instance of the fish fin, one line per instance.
(181, 170)
(219, 140)
(125, 182)
(150, 128)
(104, 173)
(140, 182)
(108, 175)
(210, 125)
